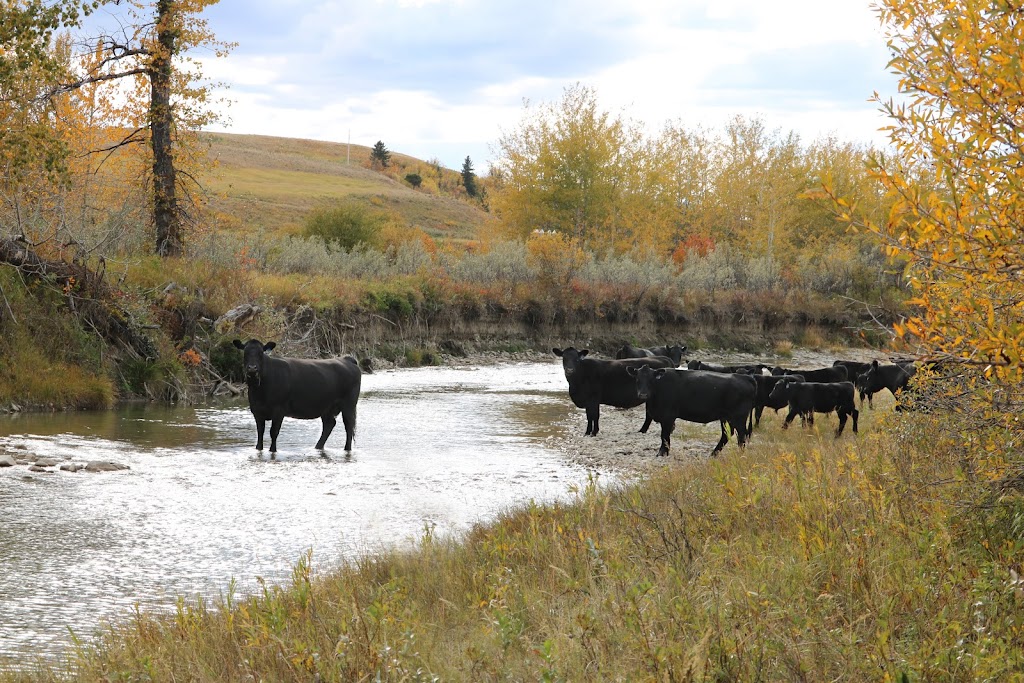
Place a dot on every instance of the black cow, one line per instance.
(877, 377)
(763, 399)
(675, 352)
(594, 381)
(836, 373)
(854, 368)
(807, 398)
(751, 369)
(705, 367)
(299, 388)
(695, 396)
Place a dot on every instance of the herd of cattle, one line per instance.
(733, 395)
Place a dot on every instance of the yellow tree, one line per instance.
(32, 155)
(761, 177)
(688, 169)
(167, 100)
(955, 177)
(575, 169)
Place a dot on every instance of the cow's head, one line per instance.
(646, 379)
(675, 352)
(571, 359)
(867, 378)
(783, 388)
(252, 357)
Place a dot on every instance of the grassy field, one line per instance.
(801, 558)
(271, 184)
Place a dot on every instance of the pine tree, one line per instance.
(380, 154)
(468, 178)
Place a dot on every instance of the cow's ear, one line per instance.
(238, 344)
(659, 373)
(631, 371)
(584, 352)
(874, 363)
(269, 346)
(557, 352)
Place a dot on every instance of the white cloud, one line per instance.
(443, 78)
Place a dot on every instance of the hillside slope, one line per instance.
(272, 183)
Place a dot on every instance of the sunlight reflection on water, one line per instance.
(441, 447)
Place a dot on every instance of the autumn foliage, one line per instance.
(955, 181)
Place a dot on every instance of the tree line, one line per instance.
(573, 168)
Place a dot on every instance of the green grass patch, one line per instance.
(49, 361)
(31, 379)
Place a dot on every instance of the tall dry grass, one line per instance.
(800, 558)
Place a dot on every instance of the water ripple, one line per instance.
(443, 447)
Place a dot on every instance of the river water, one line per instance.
(439, 448)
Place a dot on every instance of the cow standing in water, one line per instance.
(594, 382)
(299, 388)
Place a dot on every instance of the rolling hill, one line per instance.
(272, 184)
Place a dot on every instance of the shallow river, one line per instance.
(199, 506)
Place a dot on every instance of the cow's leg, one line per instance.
(666, 436)
(842, 421)
(647, 420)
(810, 418)
(789, 417)
(260, 426)
(724, 440)
(743, 432)
(329, 422)
(275, 429)
(855, 415)
(757, 415)
(348, 417)
(593, 415)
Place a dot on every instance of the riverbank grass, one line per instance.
(800, 558)
(49, 361)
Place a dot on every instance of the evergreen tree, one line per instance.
(380, 154)
(468, 178)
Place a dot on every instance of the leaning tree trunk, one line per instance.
(165, 205)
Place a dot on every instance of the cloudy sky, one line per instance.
(445, 78)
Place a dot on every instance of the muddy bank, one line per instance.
(423, 339)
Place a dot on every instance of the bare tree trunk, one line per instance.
(165, 205)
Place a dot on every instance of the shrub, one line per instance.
(414, 179)
(227, 360)
(389, 301)
(345, 227)
(504, 261)
(761, 274)
(830, 273)
(555, 258)
(628, 269)
(709, 273)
